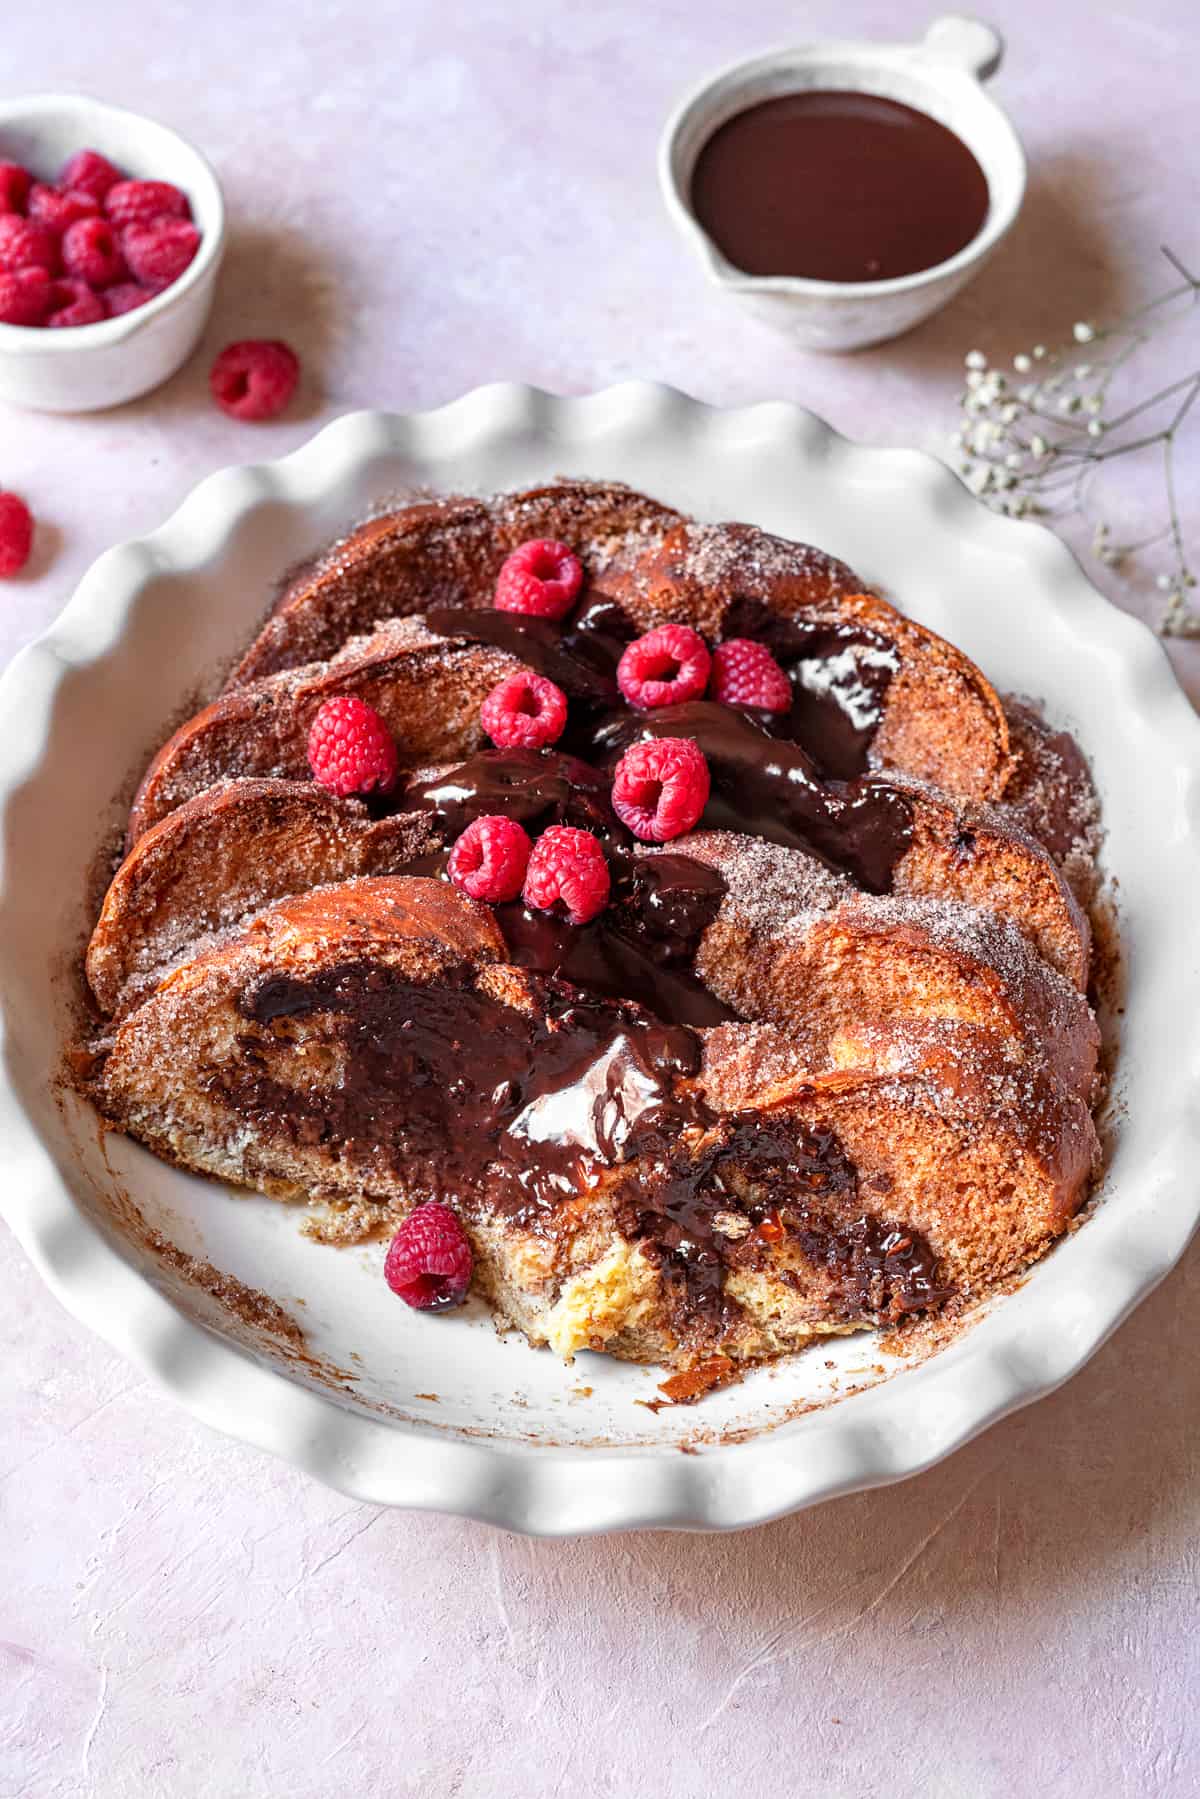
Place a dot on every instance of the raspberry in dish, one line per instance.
(666, 667)
(429, 1260)
(158, 253)
(143, 202)
(127, 296)
(15, 182)
(90, 172)
(541, 578)
(91, 252)
(125, 241)
(57, 211)
(567, 868)
(525, 711)
(24, 245)
(745, 673)
(26, 297)
(73, 303)
(254, 380)
(490, 859)
(697, 1084)
(660, 788)
(350, 749)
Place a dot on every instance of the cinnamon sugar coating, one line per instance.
(897, 1110)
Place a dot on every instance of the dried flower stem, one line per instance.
(1035, 451)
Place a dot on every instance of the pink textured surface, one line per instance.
(181, 1616)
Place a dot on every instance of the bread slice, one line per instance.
(794, 943)
(239, 845)
(428, 693)
(731, 1197)
(444, 552)
(225, 854)
(941, 719)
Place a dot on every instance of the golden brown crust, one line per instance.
(427, 691)
(444, 552)
(230, 851)
(943, 722)
(992, 1159)
(795, 945)
(983, 856)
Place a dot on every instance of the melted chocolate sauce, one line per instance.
(532, 1105)
(473, 1097)
(837, 187)
(536, 787)
(579, 655)
(840, 676)
(643, 945)
(770, 787)
(450, 1081)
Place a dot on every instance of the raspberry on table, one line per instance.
(57, 211)
(350, 749)
(524, 711)
(541, 578)
(16, 534)
(664, 668)
(746, 674)
(142, 202)
(661, 787)
(73, 302)
(429, 1260)
(15, 183)
(90, 250)
(25, 297)
(88, 170)
(127, 296)
(24, 244)
(255, 379)
(568, 867)
(159, 252)
(489, 860)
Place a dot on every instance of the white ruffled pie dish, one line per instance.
(441, 1412)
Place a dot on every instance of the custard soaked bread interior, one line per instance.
(823, 1060)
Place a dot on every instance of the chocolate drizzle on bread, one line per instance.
(824, 1062)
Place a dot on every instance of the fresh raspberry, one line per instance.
(141, 202)
(90, 171)
(490, 858)
(429, 1260)
(127, 296)
(90, 251)
(25, 245)
(746, 674)
(14, 186)
(541, 578)
(160, 252)
(350, 749)
(16, 534)
(665, 667)
(25, 297)
(525, 711)
(74, 303)
(660, 788)
(568, 865)
(255, 379)
(56, 211)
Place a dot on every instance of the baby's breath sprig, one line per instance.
(1032, 443)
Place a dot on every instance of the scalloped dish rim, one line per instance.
(1032, 1338)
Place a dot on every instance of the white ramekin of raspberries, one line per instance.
(112, 229)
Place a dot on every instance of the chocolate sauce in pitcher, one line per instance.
(837, 186)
